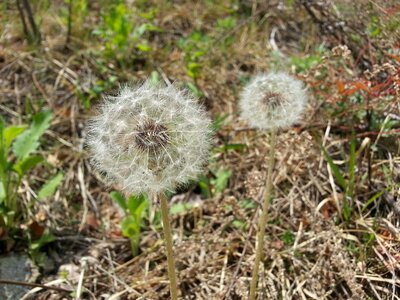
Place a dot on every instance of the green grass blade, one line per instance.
(335, 169)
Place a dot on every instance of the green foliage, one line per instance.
(195, 46)
(74, 15)
(374, 28)
(50, 186)
(226, 23)
(220, 180)
(100, 86)
(121, 35)
(180, 208)
(288, 238)
(304, 63)
(28, 141)
(346, 182)
(36, 249)
(131, 225)
(216, 184)
(17, 143)
(219, 121)
(233, 147)
(194, 89)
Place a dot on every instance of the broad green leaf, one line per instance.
(119, 199)
(2, 192)
(221, 180)
(10, 133)
(136, 206)
(130, 227)
(50, 186)
(23, 166)
(28, 141)
(180, 208)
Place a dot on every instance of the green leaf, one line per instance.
(221, 180)
(28, 141)
(352, 167)
(119, 199)
(372, 200)
(219, 121)
(335, 169)
(155, 78)
(143, 47)
(180, 208)
(204, 184)
(2, 192)
(50, 186)
(23, 166)
(193, 88)
(136, 206)
(44, 239)
(193, 69)
(130, 226)
(131, 229)
(247, 204)
(10, 133)
(239, 224)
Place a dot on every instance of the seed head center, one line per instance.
(151, 136)
(273, 99)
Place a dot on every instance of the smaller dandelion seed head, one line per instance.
(149, 138)
(272, 100)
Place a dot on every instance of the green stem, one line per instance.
(263, 218)
(168, 245)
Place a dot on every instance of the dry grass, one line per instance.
(311, 253)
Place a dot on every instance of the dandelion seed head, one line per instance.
(272, 100)
(149, 138)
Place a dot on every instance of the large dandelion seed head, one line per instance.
(272, 101)
(149, 138)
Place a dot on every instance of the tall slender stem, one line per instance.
(168, 245)
(263, 217)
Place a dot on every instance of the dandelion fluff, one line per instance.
(272, 101)
(149, 138)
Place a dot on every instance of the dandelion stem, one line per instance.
(168, 245)
(263, 217)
